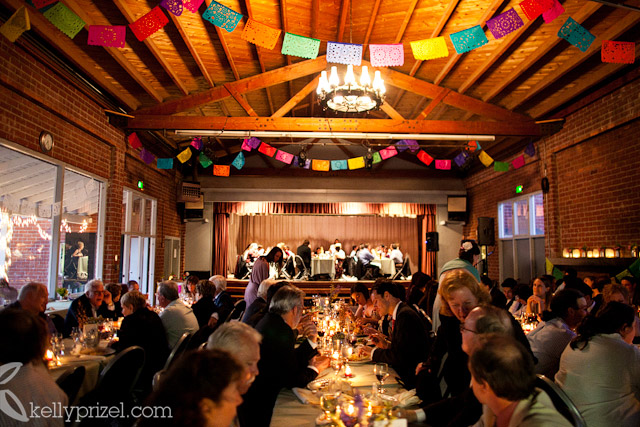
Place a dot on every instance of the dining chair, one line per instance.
(238, 311)
(404, 271)
(561, 401)
(303, 270)
(178, 349)
(71, 381)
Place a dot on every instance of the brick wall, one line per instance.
(594, 174)
(33, 98)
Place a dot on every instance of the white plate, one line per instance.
(319, 384)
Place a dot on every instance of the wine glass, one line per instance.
(381, 371)
(336, 363)
(329, 403)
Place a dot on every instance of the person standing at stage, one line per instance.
(304, 252)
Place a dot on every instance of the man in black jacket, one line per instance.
(304, 252)
(95, 302)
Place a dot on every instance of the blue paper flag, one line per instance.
(530, 150)
(576, 34)
(344, 53)
(469, 39)
(221, 16)
(238, 162)
(339, 165)
(461, 158)
(165, 163)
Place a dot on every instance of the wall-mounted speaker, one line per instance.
(431, 242)
(486, 234)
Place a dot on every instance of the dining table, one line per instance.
(323, 266)
(387, 266)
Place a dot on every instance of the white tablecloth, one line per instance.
(323, 266)
(387, 266)
(93, 366)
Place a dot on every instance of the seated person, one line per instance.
(417, 289)
(25, 378)
(33, 298)
(204, 306)
(538, 302)
(200, 389)
(497, 296)
(176, 317)
(257, 316)
(95, 302)
(143, 327)
(260, 303)
(396, 253)
(366, 310)
(521, 295)
(615, 292)
(189, 288)
(115, 289)
(133, 286)
(222, 303)
(503, 380)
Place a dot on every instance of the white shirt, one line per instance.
(548, 341)
(177, 319)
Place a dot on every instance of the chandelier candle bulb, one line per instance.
(349, 78)
(334, 81)
(365, 80)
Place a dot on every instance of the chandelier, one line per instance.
(351, 97)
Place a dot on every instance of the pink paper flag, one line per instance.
(424, 157)
(386, 55)
(267, 150)
(518, 162)
(284, 157)
(107, 35)
(390, 151)
(149, 23)
(246, 146)
(197, 143)
(134, 141)
(555, 11)
(443, 164)
(192, 5)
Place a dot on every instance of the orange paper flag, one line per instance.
(260, 34)
(320, 165)
(221, 170)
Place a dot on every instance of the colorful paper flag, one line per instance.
(356, 162)
(304, 47)
(254, 142)
(246, 146)
(221, 170)
(618, 52)
(284, 157)
(485, 158)
(221, 16)
(500, 166)
(192, 5)
(173, 6)
(185, 155)
(534, 8)
(238, 162)
(461, 158)
(576, 34)
(320, 165)
(443, 164)
(339, 165)
(530, 150)
(39, 4)
(386, 55)
(149, 23)
(134, 141)
(634, 268)
(557, 273)
(411, 144)
(518, 162)
(505, 23)
(623, 274)
(107, 35)
(260, 34)
(296, 163)
(267, 150)
(376, 158)
(469, 39)
(388, 152)
(147, 156)
(425, 50)
(65, 19)
(17, 24)
(344, 53)
(197, 143)
(548, 266)
(424, 157)
(205, 161)
(165, 163)
(555, 11)
(473, 146)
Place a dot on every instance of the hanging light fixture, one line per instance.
(351, 96)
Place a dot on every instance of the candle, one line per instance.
(347, 371)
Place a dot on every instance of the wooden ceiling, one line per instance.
(194, 75)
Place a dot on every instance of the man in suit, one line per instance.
(304, 252)
(95, 302)
(410, 340)
(281, 364)
(176, 317)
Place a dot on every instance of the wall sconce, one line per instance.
(609, 253)
(575, 253)
(566, 253)
(602, 252)
(589, 253)
(596, 252)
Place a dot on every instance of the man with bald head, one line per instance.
(33, 298)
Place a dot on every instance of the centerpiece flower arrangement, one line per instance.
(62, 292)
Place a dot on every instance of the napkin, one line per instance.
(407, 398)
(306, 396)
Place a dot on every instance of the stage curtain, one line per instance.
(221, 243)
(261, 208)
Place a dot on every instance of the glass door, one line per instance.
(139, 240)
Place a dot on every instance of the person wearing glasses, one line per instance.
(95, 302)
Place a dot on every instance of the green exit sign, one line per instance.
(519, 189)
(140, 185)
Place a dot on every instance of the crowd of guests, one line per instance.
(457, 340)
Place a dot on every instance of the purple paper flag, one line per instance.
(518, 162)
(253, 142)
(469, 39)
(107, 35)
(173, 6)
(461, 158)
(530, 150)
(284, 157)
(193, 5)
(411, 144)
(147, 156)
(555, 11)
(443, 164)
(344, 53)
(246, 146)
(197, 143)
(390, 151)
(505, 23)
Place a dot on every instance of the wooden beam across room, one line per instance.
(300, 124)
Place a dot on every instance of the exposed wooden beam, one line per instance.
(433, 104)
(453, 60)
(73, 53)
(169, 68)
(344, 13)
(372, 20)
(405, 21)
(224, 147)
(260, 60)
(585, 11)
(285, 26)
(391, 112)
(227, 52)
(192, 49)
(243, 102)
(581, 85)
(315, 17)
(308, 88)
(619, 28)
(260, 81)
(304, 124)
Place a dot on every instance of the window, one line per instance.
(40, 217)
(521, 230)
(139, 240)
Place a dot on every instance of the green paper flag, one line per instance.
(64, 18)
(376, 158)
(622, 275)
(500, 166)
(301, 46)
(635, 268)
(204, 160)
(557, 273)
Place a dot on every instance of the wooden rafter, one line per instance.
(243, 102)
(309, 124)
(285, 26)
(223, 146)
(294, 100)
(585, 11)
(227, 52)
(372, 20)
(344, 13)
(73, 53)
(433, 104)
(488, 13)
(259, 81)
(613, 33)
(192, 48)
(391, 112)
(260, 59)
(169, 68)
(407, 17)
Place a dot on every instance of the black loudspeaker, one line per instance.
(486, 236)
(431, 242)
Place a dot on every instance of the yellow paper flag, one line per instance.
(185, 155)
(430, 49)
(320, 165)
(356, 163)
(548, 266)
(16, 25)
(485, 159)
